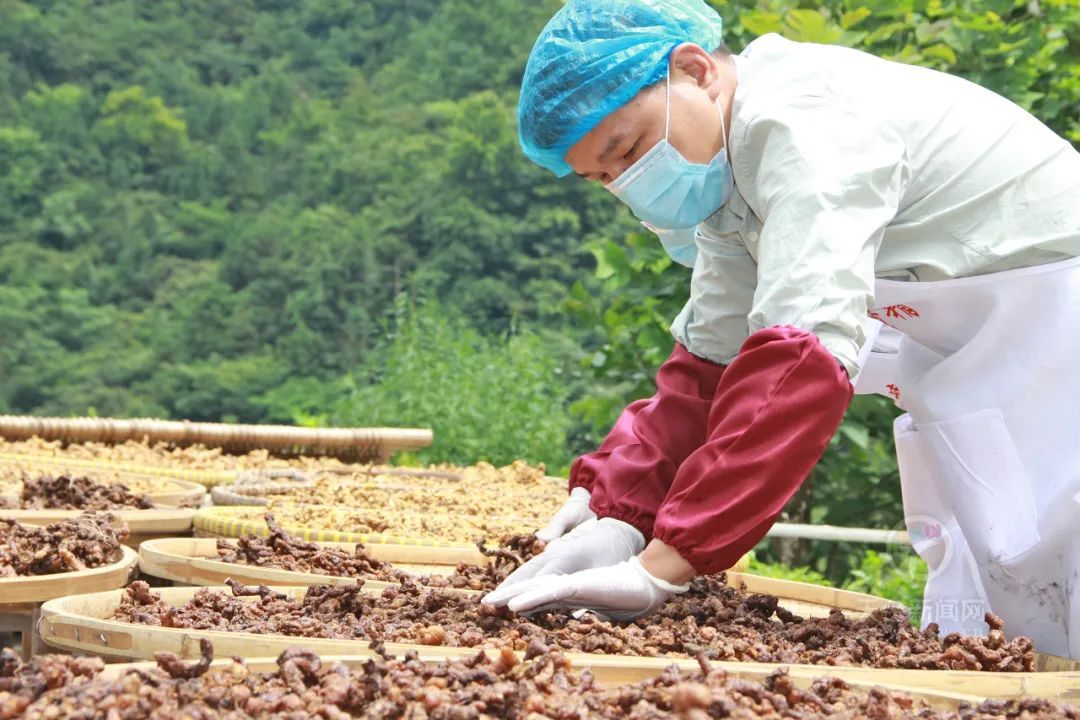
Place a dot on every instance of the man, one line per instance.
(820, 194)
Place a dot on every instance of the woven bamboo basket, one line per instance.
(361, 444)
(608, 670)
(81, 624)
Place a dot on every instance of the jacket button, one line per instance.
(752, 236)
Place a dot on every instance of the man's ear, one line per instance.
(691, 61)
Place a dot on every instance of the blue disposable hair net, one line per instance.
(592, 58)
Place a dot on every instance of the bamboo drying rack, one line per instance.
(359, 444)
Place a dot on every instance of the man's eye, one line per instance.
(632, 150)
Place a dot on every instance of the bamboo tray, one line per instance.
(233, 522)
(80, 624)
(39, 588)
(608, 670)
(22, 595)
(192, 561)
(168, 493)
(142, 525)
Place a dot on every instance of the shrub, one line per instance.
(900, 576)
(494, 398)
(897, 576)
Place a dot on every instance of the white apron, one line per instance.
(988, 370)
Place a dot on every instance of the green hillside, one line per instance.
(316, 211)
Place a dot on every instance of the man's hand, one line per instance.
(625, 591)
(574, 512)
(593, 544)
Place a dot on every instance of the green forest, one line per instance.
(316, 212)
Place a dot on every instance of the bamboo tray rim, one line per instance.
(37, 588)
(602, 666)
(156, 521)
(70, 623)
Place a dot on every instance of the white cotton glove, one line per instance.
(573, 512)
(594, 543)
(619, 592)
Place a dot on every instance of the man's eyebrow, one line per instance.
(613, 143)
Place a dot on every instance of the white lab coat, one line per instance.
(870, 189)
(851, 167)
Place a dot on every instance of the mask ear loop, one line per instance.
(667, 94)
(723, 129)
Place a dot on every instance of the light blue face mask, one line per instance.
(668, 191)
(679, 243)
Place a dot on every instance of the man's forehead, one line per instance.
(598, 144)
(606, 136)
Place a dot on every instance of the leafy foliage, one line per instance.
(785, 572)
(188, 188)
(899, 577)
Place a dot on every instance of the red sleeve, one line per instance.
(585, 469)
(633, 479)
(780, 402)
